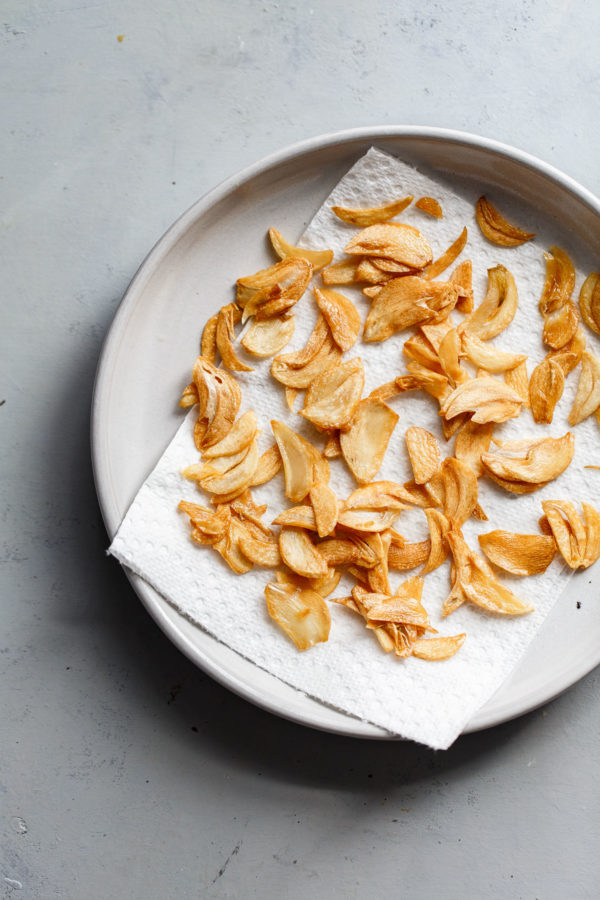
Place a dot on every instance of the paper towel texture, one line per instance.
(429, 702)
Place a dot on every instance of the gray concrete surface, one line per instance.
(124, 771)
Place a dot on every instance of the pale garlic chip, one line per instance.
(372, 215)
(518, 380)
(423, 453)
(267, 467)
(545, 389)
(533, 461)
(438, 647)
(298, 457)
(343, 272)
(495, 227)
(485, 356)
(269, 336)
(519, 554)
(292, 375)
(242, 433)
(325, 505)
(497, 309)
(489, 399)
(402, 243)
(587, 398)
(365, 441)
(589, 301)
(302, 614)
(237, 478)
(283, 249)
(341, 315)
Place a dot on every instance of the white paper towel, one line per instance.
(429, 702)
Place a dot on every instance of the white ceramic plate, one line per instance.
(156, 331)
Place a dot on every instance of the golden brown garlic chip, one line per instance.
(208, 344)
(343, 272)
(462, 280)
(366, 437)
(300, 554)
(545, 389)
(568, 530)
(298, 457)
(560, 326)
(267, 467)
(518, 380)
(587, 398)
(519, 554)
(534, 461)
(495, 227)
(372, 215)
(489, 399)
(325, 505)
(560, 281)
(430, 206)
(438, 647)
(272, 291)
(402, 243)
(447, 258)
(341, 315)
(471, 441)
(283, 249)
(407, 301)
(498, 308)
(423, 453)
(589, 301)
(474, 580)
(333, 396)
(219, 399)
(287, 370)
(227, 319)
(302, 614)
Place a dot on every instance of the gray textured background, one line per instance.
(125, 772)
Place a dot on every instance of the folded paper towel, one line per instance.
(429, 702)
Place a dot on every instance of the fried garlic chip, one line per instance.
(189, 396)
(458, 485)
(438, 529)
(263, 551)
(569, 356)
(325, 505)
(332, 448)
(219, 399)
(518, 380)
(591, 518)
(228, 317)
(560, 326)
(343, 272)
(208, 344)
(487, 357)
(589, 301)
(323, 585)
(269, 336)
(402, 243)
(298, 457)
(475, 581)
(333, 396)
(386, 495)
(519, 554)
(234, 479)
(207, 526)
(272, 291)
(302, 614)
(447, 258)
(489, 399)
(409, 556)
(242, 433)
(560, 281)
(471, 441)
(367, 519)
(439, 647)
(292, 375)
(366, 437)
(587, 398)
(495, 227)
(372, 215)
(341, 315)
(497, 309)
(462, 280)
(423, 453)
(545, 389)
(267, 467)
(407, 301)
(300, 554)
(568, 530)
(430, 206)
(283, 249)
(532, 461)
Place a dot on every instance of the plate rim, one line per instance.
(101, 390)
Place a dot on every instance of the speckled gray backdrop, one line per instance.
(125, 771)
